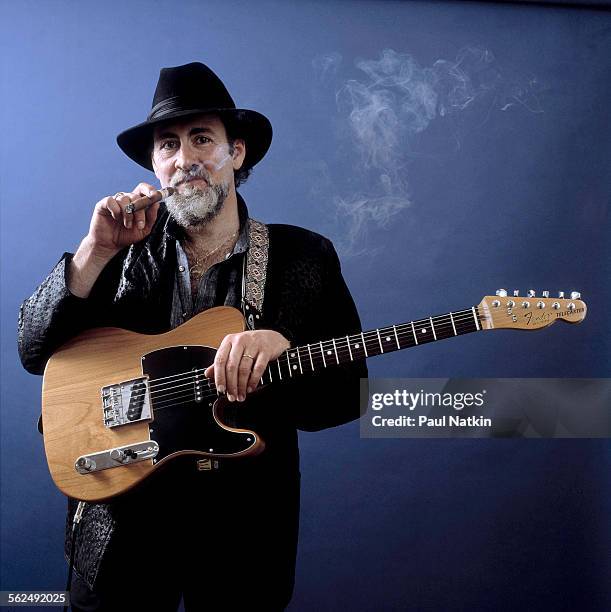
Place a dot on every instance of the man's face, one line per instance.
(194, 157)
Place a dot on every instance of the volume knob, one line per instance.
(118, 455)
(86, 464)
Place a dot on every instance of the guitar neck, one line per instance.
(344, 349)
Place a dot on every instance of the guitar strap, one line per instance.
(254, 273)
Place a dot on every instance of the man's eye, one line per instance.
(168, 144)
(202, 140)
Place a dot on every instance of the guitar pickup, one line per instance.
(115, 457)
(126, 402)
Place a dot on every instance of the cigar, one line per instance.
(143, 203)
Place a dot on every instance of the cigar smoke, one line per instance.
(388, 105)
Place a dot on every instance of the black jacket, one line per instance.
(306, 299)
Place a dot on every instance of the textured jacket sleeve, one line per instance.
(315, 304)
(52, 315)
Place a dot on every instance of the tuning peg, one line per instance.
(575, 295)
(516, 292)
(546, 294)
(501, 292)
(531, 293)
(560, 294)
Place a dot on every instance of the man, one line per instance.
(226, 537)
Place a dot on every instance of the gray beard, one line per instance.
(196, 207)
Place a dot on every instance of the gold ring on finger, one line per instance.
(249, 356)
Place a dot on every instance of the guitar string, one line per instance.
(369, 336)
(341, 346)
(464, 315)
(191, 376)
(171, 397)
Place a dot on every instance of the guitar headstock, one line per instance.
(501, 311)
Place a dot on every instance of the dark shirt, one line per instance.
(220, 285)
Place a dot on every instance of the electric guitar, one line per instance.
(117, 405)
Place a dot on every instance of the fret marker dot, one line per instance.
(294, 367)
(387, 338)
(292, 354)
(356, 346)
(328, 352)
(424, 330)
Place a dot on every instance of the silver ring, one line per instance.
(129, 209)
(119, 194)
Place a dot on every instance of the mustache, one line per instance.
(182, 176)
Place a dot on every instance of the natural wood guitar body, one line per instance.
(71, 407)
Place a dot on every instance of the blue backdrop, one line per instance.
(453, 147)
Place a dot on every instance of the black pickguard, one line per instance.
(180, 423)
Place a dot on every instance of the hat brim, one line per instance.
(253, 127)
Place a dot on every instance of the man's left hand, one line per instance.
(241, 360)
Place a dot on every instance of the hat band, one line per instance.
(177, 103)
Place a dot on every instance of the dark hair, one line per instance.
(231, 124)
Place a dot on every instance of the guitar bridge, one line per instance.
(126, 402)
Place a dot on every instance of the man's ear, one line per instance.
(239, 153)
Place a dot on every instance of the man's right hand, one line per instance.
(111, 229)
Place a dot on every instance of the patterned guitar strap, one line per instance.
(254, 273)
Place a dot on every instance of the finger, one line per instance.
(220, 359)
(257, 372)
(109, 206)
(232, 370)
(124, 200)
(139, 218)
(143, 189)
(244, 372)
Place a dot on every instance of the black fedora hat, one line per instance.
(193, 89)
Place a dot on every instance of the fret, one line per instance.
(433, 328)
(380, 341)
(322, 352)
(299, 361)
(373, 348)
(396, 337)
(335, 349)
(279, 370)
(475, 318)
(269, 371)
(311, 361)
(443, 327)
(364, 345)
(349, 349)
(453, 326)
(414, 332)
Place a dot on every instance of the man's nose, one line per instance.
(186, 159)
